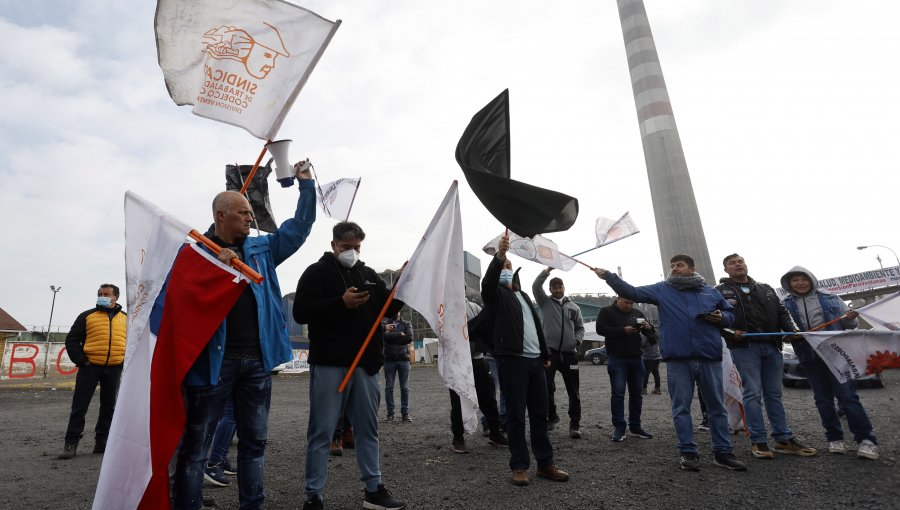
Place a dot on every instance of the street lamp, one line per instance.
(881, 246)
(54, 289)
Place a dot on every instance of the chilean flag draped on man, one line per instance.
(177, 296)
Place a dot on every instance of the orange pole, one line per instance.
(829, 323)
(252, 172)
(235, 262)
(365, 344)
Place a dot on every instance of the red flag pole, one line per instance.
(252, 171)
(235, 262)
(365, 344)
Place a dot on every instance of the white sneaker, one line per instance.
(837, 447)
(867, 450)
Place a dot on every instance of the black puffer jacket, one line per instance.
(336, 332)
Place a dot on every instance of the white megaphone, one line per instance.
(284, 170)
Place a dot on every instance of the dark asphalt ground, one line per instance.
(418, 466)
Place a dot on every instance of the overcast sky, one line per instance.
(787, 113)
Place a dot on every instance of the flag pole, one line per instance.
(235, 262)
(365, 344)
(253, 171)
(352, 200)
(782, 333)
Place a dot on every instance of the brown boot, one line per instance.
(552, 472)
(337, 449)
(347, 438)
(519, 477)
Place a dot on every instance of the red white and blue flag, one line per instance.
(178, 295)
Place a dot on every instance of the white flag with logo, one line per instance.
(856, 353)
(536, 249)
(884, 313)
(433, 284)
(609, 231)
(241, 62)
(733, 391)
(336, 198)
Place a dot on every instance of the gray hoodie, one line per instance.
(563, 324)
(809, 306)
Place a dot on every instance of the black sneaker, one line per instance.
(575, 433)
(690, 462)
(70, 450)
(729, 461)
(390, 417)
(498, 440)
(208, 502)
(406, 419)
(618, 435)
(458, 446)
(551, 423)
(215, 476)
(704, 426)
(313, 502)
(641, 433)
(228, 469)
(382, 500)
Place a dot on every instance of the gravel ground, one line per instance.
(418, 466)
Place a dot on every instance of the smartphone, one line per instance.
(368, 286)
(704, 315)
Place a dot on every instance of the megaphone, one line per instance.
(284, 170)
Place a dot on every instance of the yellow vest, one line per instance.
(104, 342)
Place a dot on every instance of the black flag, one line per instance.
(257, 192)
(483, 155)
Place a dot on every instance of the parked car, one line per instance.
(794, 373)
(596, 356)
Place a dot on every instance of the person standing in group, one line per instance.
(691, 314)
(758, 359)
(622, 324)
(397, 337)
(522, 355)
(652, 358)
(810, 308)
(563, 331)
(96, 344)
(237, 361)
(340, 298)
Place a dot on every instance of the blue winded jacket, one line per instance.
(681, 334)
(263, 254)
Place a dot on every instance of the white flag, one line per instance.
(336, 198)
(733, 391)
(609, 231)
(884, 313)
(433, 284)
(855, 353)
(241, 62)
(536, 249)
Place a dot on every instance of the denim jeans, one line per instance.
(392, 369)
(249, 386)
(826, 388)
(681, 375)
(567, 365)
(360, 399)
(761, 365)
(224, 433)
(525, 384)
(86, 381)
(625, 372)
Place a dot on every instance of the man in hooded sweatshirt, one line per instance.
(810, 307)
(690, 315)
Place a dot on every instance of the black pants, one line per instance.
(567, 365)
(487, 400)
(524, 382)
(651, 365)
(86, 381)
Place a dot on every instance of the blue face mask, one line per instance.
(506, 277)
(104, 301)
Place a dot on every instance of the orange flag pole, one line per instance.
(235, 262)
(365, 344)
(829, 323)
(253, 172)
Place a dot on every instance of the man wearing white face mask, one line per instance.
(339, 297)
(96, 344)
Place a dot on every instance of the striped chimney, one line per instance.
(674, 206)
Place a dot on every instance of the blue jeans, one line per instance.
(223, 435)
(826, 388)
(761, 365)
(360, 399)
(681, 375)
(525, 384)
(249, 386)
(626, 372)
(391, 369)
(495, 375)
